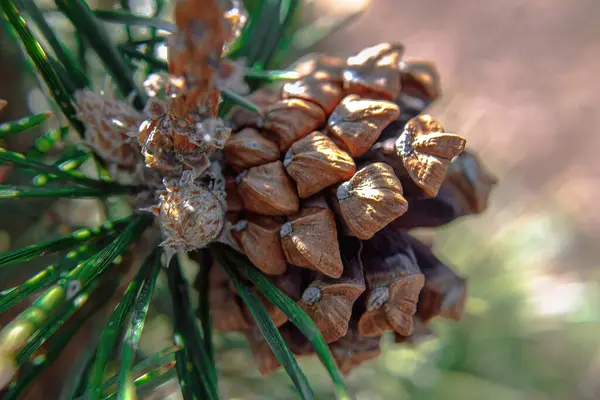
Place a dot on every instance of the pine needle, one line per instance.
(134, 331)
(66, 242)
(23, 124)
(114, 326)
(272, 336)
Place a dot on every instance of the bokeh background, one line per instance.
(520, 82)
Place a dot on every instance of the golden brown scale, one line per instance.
(248, 148)
(356, 123)
(291, 119)
(321, 67)
(472, 180)
(370, 200)
(263, 98)
(374, 72)
(323, 93)
(329, 301)
(234, 201)
(426, 152)
(258, 236)
(268, 190)
(311, 241)
(315, 162)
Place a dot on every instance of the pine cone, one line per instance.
(351, 187)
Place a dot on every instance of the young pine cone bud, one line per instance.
(268, 190)
(426, 152)
(108, 125)
(190, 216)
(329, 301)
(394, 282)
(310, 240)
(374, 72)
(356, 123)
(370, 200)
(248, 148)
(315, 162)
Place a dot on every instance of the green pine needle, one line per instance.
(150, 363)
(63, 54)
(40, 363)
(186, 384)
(67, 165)
(272, 336)
(295, 314)
(132, 19)
(187, 334)
(144, 42)
(134, 332)
(149, 381)
(40, 60)
(131, 51)
(23, 124)
(83, 276)
(93, 267)
(49, 328)
(46, 277)
(96, 36)
(114, 325)
(55, 347)
(46, 142)
(272, 75)
(63, 243)
(237, 99)
(13, 192)
(19, 160)
(287, 9)
(202, 285)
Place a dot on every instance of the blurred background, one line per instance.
(520, 82)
